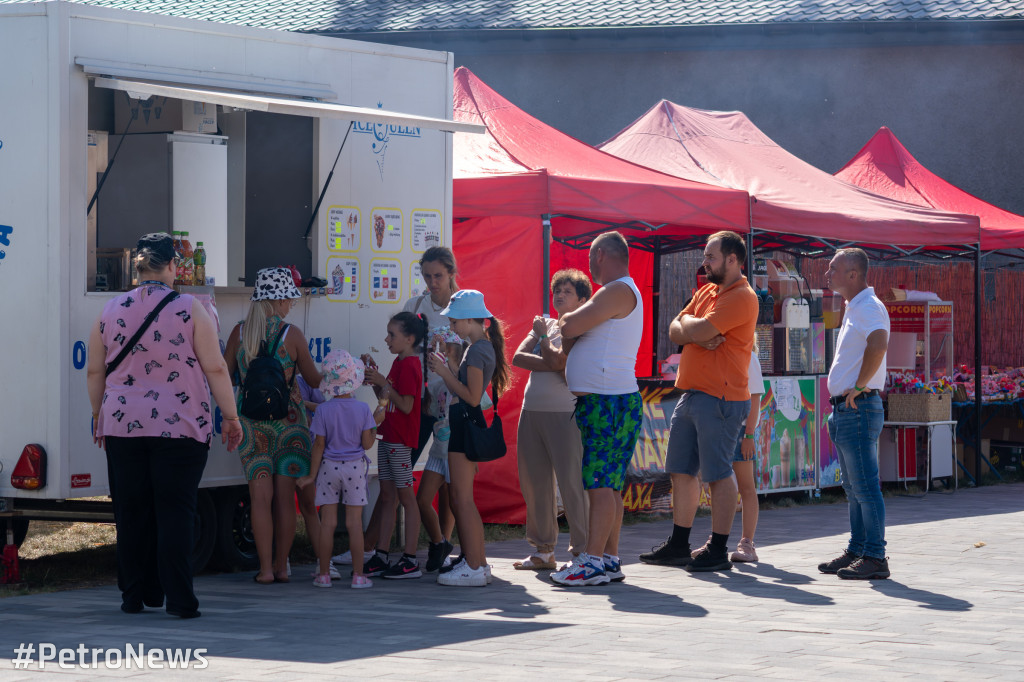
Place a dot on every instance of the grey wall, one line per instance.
(957, 108)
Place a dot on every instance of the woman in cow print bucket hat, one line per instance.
(275, 453)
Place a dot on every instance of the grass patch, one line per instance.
(59, 556)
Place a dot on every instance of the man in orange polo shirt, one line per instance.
(716, 330)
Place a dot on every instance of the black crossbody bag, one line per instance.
(127, 348)
(485, 443)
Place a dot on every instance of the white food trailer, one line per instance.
(211, 129)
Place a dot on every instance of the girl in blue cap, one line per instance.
(483, 363)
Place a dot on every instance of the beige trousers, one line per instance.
(550, 446)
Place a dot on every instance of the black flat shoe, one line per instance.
(132, 608)
(183, 614)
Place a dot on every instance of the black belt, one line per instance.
(837, 400)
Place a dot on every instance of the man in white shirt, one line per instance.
(856, 377)
(602, 338)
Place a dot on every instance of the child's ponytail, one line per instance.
(500, 380)
(424, 345)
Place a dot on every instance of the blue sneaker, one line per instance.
(613, 569)
(581, 572)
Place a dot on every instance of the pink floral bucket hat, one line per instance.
(343, 374)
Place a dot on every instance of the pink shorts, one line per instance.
(343, 482)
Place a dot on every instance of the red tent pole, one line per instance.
(546, 303)
(655, 306)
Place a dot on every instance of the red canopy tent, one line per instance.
(885, 167)
(788, 195)
(522, 185)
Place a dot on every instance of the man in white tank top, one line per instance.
(602, 338)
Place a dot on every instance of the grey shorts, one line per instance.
(703, 434)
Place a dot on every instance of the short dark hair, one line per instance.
(730, 243)
(857, 258)
(576, 278)
(613, 243)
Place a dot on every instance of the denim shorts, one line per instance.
(704, 434)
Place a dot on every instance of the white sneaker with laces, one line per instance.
(566, 569)
(345, 558)
(464, 576)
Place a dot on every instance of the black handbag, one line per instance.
(485, 443)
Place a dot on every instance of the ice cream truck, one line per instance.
(272, 148)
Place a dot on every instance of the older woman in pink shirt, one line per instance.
(150, 396)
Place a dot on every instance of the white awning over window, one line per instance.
(138, 89)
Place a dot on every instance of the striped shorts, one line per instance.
(394, 463)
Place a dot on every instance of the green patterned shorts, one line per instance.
(609, 425)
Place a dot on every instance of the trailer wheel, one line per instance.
(236, 548)
(205, 532)
(20, 530)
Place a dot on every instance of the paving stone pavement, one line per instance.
(952, 611)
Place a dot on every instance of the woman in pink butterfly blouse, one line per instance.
(153, 415)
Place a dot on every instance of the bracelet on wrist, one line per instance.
(860, 389)
(232, 419)
(748, 436)
(543, 336)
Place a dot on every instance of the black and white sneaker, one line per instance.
(402, 569)
(450, 563)
(710, 558)
(376, 565)
(666, 554)
(436, 555)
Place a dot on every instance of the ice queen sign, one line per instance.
(382, 136)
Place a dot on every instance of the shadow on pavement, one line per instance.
(749, 585)
(927, 600)
(631, 598)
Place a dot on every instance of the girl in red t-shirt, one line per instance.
(400, 393)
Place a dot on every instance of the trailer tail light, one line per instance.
(30, 472)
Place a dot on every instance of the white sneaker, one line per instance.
(345, 558)
(487, 570)
(333, 572)
(464, 576)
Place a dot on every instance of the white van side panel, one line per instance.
(29, 409)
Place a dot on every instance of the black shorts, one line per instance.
(459, 415)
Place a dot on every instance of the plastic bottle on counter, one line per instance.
(188, 267)
(179, 254)
(199, 260)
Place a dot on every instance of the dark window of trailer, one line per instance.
(278, 195)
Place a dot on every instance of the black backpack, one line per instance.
(265, 391)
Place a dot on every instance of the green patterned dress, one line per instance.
(280, 446)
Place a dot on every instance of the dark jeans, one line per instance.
(154, 484)
(855, 434)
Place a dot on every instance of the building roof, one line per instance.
(376, 16)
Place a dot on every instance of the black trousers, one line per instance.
(154, 483)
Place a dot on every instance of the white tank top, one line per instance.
(603, 360)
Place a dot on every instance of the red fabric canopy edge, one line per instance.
(885, 166)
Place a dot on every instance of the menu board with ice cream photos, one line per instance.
(343, 233)
(386, 281)
(426, 229)
(344, 279)
(416, 283)
(386, 236)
